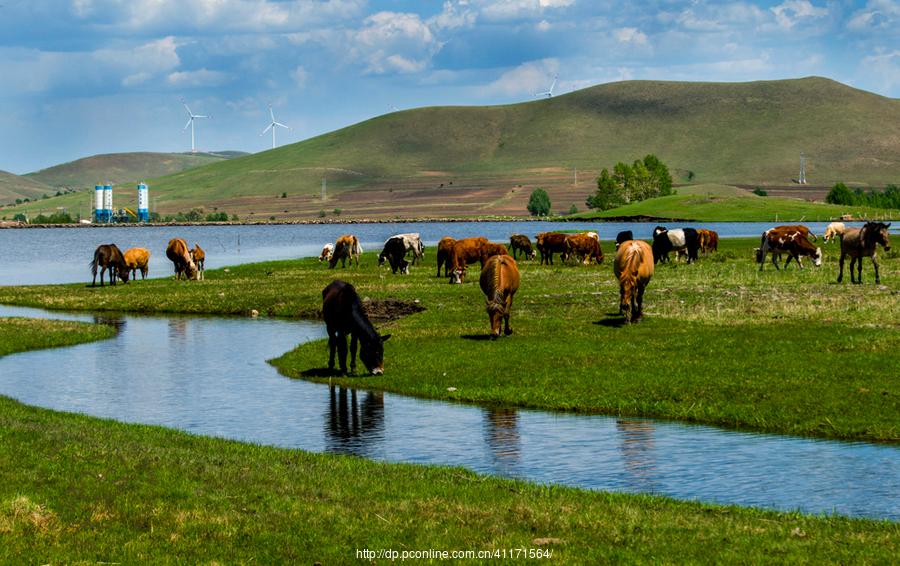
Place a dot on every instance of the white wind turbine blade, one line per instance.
(191, 114)
(267, 128)
(186, 126)
(552, 86)
(282, 125)
(271, 113)
(199, 116)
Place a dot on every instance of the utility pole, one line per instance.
(576, 176)
(802, 179)
(324, 189)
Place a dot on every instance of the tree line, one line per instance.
(842, 194)
(643, 179)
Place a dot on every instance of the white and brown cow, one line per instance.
(413, 243)
(327, 252)
(787, 240)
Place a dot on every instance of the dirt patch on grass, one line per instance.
(386, 310)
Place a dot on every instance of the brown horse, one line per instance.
(861, 242)
(199, 257)
(109, 258)
(137, 258)
(343, 313)
(633, 268)
(445, 255)
(499, 282)
(178, 253)
(346, 247)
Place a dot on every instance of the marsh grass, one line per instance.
(722, 343)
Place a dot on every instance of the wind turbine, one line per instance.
(272, 125)
(190, 123)
(549, 92)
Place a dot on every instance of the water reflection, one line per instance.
(501, 433)
(352, 427)
(638, 454)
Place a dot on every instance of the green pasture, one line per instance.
(787, 352)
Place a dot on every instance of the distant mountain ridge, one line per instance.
(14, 187)
(124, 167)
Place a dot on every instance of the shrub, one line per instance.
(337, 211)
(539, 203)
(760, 192)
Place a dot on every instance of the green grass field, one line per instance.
(788, 352)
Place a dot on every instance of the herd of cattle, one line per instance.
(633, 267)
(189, 263)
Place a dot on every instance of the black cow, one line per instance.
(681, 239)
(395, 252)
(623, 236)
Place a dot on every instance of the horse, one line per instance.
(178, 253)
(199, 257)
(445, 255)
(549, 243)
(633, 268)
(347, 246)
(413, 243)
(499, 282)
(343, 313)
(861, 242)
(137, 258)
(327, 252)
(110, 259)
(395, 252)
(834, 231)
(465, 251)
(520, 242)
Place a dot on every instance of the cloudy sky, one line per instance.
(82, 77)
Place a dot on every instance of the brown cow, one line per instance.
(445, 255)
(549, 243)
(499, 282)
(177, 251)
(709, 240)
(199, 257)
(347, 246)
(584, 247)
(521, 242)
(465, 251)
(137, 258)
(491, 249)
(327, 251)
(789, 240)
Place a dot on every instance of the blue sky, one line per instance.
(83, 77)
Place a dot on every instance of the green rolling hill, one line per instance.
(14, 187)
(123, 168)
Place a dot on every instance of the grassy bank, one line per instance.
(787, 352)
(738, 208)
(21, 334)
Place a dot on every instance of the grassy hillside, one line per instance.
(14, 186)
(122, 168)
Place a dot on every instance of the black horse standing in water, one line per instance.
(343, 313)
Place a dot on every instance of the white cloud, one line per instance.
(136, 79)
(877, 15)
(543, 25)
(198, 78)
(299, 76)
(454, 15)
(515, 9)
(394, 42)
(526, 79)
(883, 68)
(630, 35)
(788, 13)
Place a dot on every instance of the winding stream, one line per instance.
(209, 376)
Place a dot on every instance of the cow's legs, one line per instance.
(775, 263)
(852, 269)
(354, 343)
(875, 265)
(841, 265)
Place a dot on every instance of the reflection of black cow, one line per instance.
(395, 252)
(681, 239)
(623, 236)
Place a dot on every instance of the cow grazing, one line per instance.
(834, 231)
(680, 239)
(445, 255)
(395, 253)
(549, 243)
(178, 253)
(327, 252)
(347, 246)
(499, 282)
(623, 236)
(465, 252)
(413, 244)
(861, 242)
(137, 258)
(344, 314)
(709, 240)
(633, 268)
(491, 249)
(789, 240)
(109, 258)
(199, 257)
(584, 247)
(520, 242)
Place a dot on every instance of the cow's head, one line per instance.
(191, 270)
(758, 253)
(817, 258)
(372, 354)
(457, 275)
(381, 258)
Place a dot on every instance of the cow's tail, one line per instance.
(357, 248)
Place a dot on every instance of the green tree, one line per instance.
(609, 193)
(641, 182)
(659, 173)
(840, 194)
(539, 203)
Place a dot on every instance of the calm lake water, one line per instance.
(61, 255)
(227, 389)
